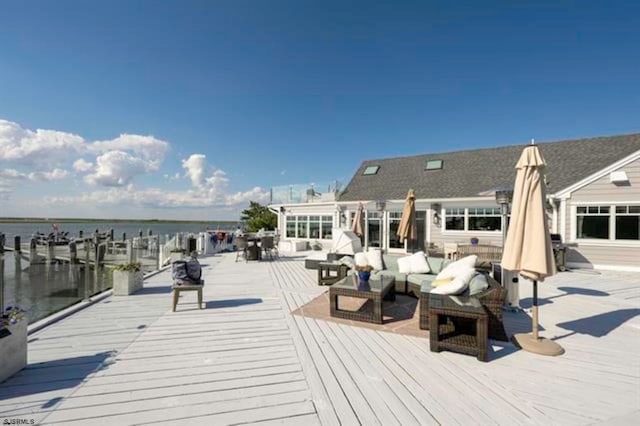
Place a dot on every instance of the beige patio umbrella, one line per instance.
(527, 249)
(407, 227)
(356, 226)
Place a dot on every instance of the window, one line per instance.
(454, 219)
(327, 226)
(302, 226)
(291, 227)
(433, 165)
(394, 223)
(371, 170)
(314, 227)
(485, 219)
(628, 223)
(374, 229)
(592, 222)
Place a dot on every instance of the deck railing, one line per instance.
(304, 193)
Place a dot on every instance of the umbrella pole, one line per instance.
(534, 314)
(533, 342)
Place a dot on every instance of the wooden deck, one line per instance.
(245, 359)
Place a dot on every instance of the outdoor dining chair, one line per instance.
(241, 247)
(266, 244)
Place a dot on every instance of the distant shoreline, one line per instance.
(78, 220)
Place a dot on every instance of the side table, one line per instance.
(325, 270)
(458, 324)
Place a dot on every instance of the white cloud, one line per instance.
(196, 168)
(209, 186)
(13, 174)
(117, 168)
(55, 174)
(156, 197)
(148, 147)
(117, 160)
(40, 148)
(81, 165)
(44, 155)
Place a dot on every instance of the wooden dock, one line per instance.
(246, 359)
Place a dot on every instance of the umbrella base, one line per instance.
(541, 346)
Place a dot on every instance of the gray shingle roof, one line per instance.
(474, 172)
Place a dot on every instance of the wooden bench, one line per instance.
(177, 288)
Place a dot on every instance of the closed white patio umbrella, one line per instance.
(407, 227)
(528, 247)
(358, 219)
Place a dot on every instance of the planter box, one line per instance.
(125, 283)
(13, 350)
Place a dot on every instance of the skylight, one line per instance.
(433, 165)
(371, 170)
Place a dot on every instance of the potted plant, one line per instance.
(13, 342)
(127, 279)
(364, 273)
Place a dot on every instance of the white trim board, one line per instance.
(604, 267)
(595, 176)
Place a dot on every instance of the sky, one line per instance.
(189, 109)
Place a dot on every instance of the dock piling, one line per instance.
(33, 253)
(16, 244)
(87, 249)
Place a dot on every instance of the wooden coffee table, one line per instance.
(380, 288)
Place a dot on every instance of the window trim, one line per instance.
(321, 221)
(436, 160)
(611, 241)
(466, 230)
(387, 240)
(368, 170)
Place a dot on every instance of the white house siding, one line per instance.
(604, 254)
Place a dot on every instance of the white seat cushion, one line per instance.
(457, 285)
(414, 264)
(454, 268)
(374, 256)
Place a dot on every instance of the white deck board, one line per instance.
(246, 360)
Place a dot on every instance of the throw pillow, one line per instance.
(454, 268)
(374, 256)
(414, 264)
(457, 285)
(404, 265)
(347, 261)
(361, 259)
(443, 281)
(478, 284)
(419, 264)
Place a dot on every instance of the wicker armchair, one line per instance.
(492, 299)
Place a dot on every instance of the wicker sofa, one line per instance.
(410, 284)
(419, 286)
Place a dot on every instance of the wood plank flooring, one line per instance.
(245, 359)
